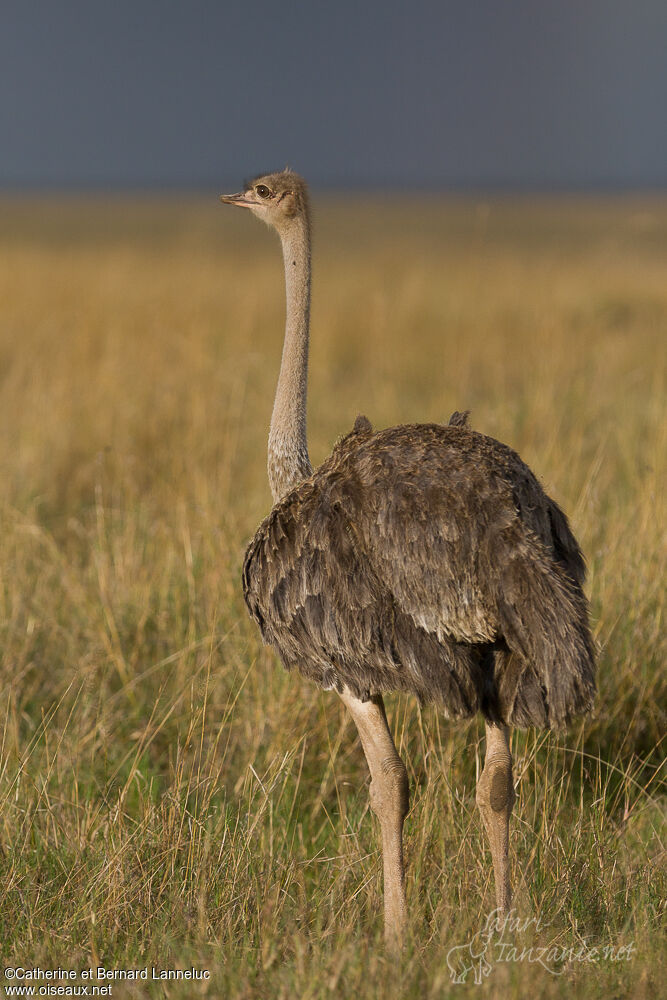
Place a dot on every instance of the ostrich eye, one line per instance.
(262, 191)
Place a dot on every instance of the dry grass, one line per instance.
(168, 795)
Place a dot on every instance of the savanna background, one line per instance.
(169, 796)
(490, 196)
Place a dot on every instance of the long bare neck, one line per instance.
(288, 462)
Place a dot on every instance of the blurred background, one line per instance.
(167, 792)
(451, 94)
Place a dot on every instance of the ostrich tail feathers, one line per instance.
(546, 676)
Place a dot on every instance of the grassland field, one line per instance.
(169, 796)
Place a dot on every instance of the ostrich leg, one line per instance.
(389, 801)
(495, 798)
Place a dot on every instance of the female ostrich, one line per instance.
(420, 558)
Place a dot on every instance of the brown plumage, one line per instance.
(428, 559)
(421, 558)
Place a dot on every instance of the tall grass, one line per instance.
(168, 795)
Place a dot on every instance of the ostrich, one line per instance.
(420, 558)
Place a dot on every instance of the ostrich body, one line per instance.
(420, 558)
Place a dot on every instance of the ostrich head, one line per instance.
(278, 199)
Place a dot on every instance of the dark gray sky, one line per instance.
(496, 93)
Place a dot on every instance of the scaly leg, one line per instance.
(495, 798)
(389, 801)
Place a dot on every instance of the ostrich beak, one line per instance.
(239, 199)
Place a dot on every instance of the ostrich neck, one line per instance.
(288, 462)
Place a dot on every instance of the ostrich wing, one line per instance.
(396, 565)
